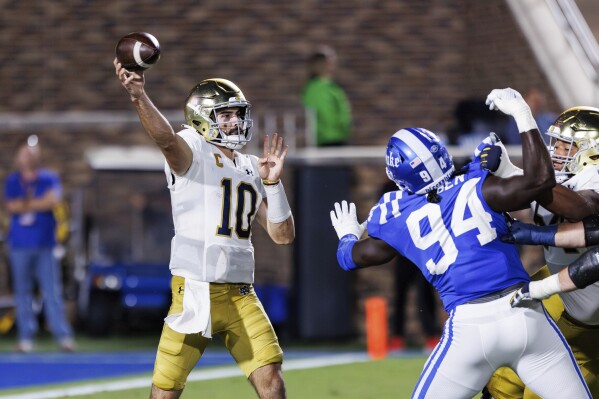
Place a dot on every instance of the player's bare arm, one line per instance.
(538, 177)
(570, 204)
(176, 151)
(274, 213)
(581, 273)
(281, 233)
(371, 252)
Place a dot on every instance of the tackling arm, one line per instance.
(516, 192)
(353, 253)
(581, 273)
(572, 205)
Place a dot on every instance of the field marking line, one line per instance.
(199, 375)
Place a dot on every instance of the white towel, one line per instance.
(195, 317)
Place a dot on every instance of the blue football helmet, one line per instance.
(417, 161)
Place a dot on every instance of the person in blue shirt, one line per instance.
(449, 224)
(31, 192)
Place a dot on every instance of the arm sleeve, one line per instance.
(344, 252)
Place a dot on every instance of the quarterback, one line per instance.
(216, 194)
(449, 224)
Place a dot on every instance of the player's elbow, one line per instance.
(544, 181)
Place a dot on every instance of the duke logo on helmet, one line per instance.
(417, 161)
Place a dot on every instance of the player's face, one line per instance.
(565, 149)
(228, 119)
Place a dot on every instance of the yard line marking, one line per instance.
(199, 375)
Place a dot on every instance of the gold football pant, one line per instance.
(238, 318)
(505, 383)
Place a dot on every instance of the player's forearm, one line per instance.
(175, 150)
(581, 273)
(572, 205)
(537, 166)
(282, 233)
(154, 123)
(570, 235)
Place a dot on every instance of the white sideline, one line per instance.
(200, 375)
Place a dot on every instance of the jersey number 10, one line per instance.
(242, 230)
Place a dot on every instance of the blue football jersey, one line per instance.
(455, 242)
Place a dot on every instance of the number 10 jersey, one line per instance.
(214, 204)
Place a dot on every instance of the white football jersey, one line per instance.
(214, 204)
(583, 304)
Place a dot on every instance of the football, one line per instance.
(138, 51)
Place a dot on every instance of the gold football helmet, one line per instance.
(584, 158)
(202, 104)
(578, 126)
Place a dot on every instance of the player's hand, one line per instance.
(345, 221)
(522, 298)
(488, 141)
(493, 157)
(530, 234)
(510, 102)
(271, 164)
(133, 82)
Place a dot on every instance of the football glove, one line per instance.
(530, 234)
(493, 157)
(510, 102)
(345, 221)
(488, 141)
(522, 298)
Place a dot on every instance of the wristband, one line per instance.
(271, 182)
(544, 235)
(591, 230)
(278, 207)
(344, 252)
(545, 288)
(525, 121)
(584, 271)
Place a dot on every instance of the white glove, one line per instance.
(506, 167)
(345, 221)
(510, 102)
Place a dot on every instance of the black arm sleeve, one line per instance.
(591, 230)
(584, 271)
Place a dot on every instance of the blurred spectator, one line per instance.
(31, 193)
(408, 275)
(537, 101)
(322, 95)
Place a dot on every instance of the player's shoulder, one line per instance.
(388, 207)
(192, 137)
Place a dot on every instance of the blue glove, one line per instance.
(490, 158)
(488, 141)
(530, 234)
(522, 298)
